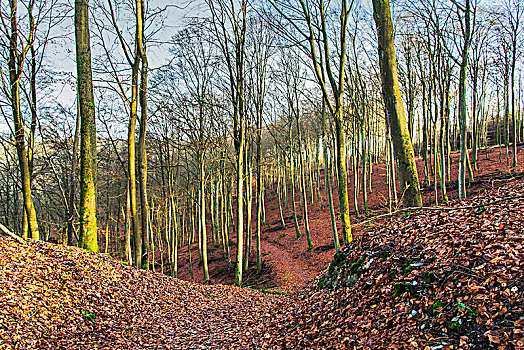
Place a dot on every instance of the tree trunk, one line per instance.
(303, 181)
(142, 153)
(131, 144)
(88, 226)
(259, 193)
(463, 107)
(175, 238)
(327, 183)
(127, 217)
(406, 167)
(15, 72)
(342, 177)
(293, 203)
(240, 209)
(72, 184)
(249, 201)
(202, 220)
(513, 113)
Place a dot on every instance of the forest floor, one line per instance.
(441, 278)
(57, 297)
(288, 264)
(435, 278)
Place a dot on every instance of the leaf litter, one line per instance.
(54, 296)
(431, 279)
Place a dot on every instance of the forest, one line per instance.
(280, 174)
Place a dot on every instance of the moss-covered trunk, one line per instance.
(342, 177)
(327, 183)
(202, 218)
(88, 226)
(30, 225)
(407, 169)
(142, 153)
(131, 134)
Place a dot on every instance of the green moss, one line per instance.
(392, 274)
(435, 306)
(457, 326)
(341, 272)
(401, 288)
(356, 265)
(88, 316)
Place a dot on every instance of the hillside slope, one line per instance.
(53, 297)
(301, 264)
(438, 278)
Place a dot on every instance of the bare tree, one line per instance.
(88, 225)
(407, 169)
(229, 21)
(309, 20)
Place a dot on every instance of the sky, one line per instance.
(60, 56)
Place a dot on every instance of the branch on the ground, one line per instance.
(437, 209)
(11, 234)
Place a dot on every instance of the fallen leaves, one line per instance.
(426, 280)
(63, 297)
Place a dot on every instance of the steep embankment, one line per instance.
(442, 278)
(58, 297)
(493, 170)
(433, 279)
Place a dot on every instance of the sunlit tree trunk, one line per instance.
(320, 56)
(15, 63)
(88, 225)
(202, 219)
(302, 180)
(240, 207)
(176, 227)
(462, 104)
(126, 215)
(72, 183)
(131, 142)
(142, 154)
(32, 106)
(249, 201)
(279, 196)
(292, 185)
(407, 169)
(327, 183)
(260, 192)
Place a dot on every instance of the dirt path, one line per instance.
(58, 297)
(290, 274)
(289, 258)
